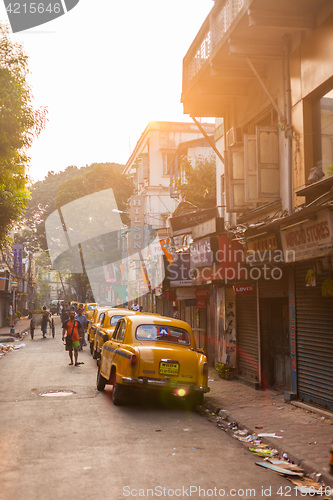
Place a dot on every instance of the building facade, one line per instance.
(266, 74)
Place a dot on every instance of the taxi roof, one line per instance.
(149, 319)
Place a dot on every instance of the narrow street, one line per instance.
(81, 446)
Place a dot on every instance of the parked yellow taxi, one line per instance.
(94, 323)
(148, 352)
(106, 328)
(88, 309)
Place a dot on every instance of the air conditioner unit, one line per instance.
(234, 136)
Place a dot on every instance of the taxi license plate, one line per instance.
(169, 368)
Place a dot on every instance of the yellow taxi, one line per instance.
(105, 330)
(94, 323)
(88, 309)
(148, 352)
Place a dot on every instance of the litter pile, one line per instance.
(4, 348)
(306, 485)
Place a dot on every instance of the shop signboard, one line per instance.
(308, 238)
(184, 223)
(263, 247)
(201, 253)
(18, 256)
(179, 270)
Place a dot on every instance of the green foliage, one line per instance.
(199, 187)
(222, 370)
(99, 177)
(20, 123)
(60, 188)
(329, 172)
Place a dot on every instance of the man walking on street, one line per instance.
(84, 324)
(72, 328)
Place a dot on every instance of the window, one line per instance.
(163, 333)
(323, 133)
(114, 320)
(167, 161)
(253, 170)
(121, 331)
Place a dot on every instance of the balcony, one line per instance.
(215, 68)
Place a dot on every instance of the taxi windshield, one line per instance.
(114, 320)
(164, 333)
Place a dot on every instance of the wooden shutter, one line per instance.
(250, 168)
(236, 179)
(268, 162)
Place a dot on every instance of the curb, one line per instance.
(302, 462)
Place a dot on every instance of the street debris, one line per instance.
(4, 348)
(272, 460)
(270, 435)
(57, 393)
(280, 469)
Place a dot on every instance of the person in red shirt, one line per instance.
(72, 328)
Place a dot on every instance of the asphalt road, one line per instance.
(82, 447)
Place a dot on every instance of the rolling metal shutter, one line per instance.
(314, 346)
(247, 337)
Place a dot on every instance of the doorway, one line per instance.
(275, 354)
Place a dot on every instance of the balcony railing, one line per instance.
(216, 26)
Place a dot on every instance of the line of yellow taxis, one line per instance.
(142, 352)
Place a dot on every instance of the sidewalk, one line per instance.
(307, 432)
(21, 326)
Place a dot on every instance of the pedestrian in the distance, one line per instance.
(65, 312)
(45, 321)
(135, 306)
(84, 325)
(71, 329)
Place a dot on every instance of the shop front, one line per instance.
(308, 242)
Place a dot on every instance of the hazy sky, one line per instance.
(104, 70)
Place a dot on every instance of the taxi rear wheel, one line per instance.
(91, 348)
(101, 381)
(195, 400)
(118, 393)
(95, 354)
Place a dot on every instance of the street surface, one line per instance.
(81, 446)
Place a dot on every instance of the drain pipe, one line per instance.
(289, 129)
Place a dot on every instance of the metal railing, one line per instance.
(216, 26)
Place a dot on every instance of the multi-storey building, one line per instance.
(264, 69)
(152, 204)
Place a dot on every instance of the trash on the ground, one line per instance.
(245, 439)
(258, 427)
(223, 414)
(233, 425)
(285, 456)
(241, 432)
(285, 465)
(263, 452)
(308, 486)
(4, 348)
(270, 434)
(279, 470)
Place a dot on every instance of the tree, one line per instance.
(20, 123)
(197, 183)
(61, 188)
(100, 176)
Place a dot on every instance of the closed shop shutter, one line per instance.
(314, 341)
(188, 315)
(247, 337)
